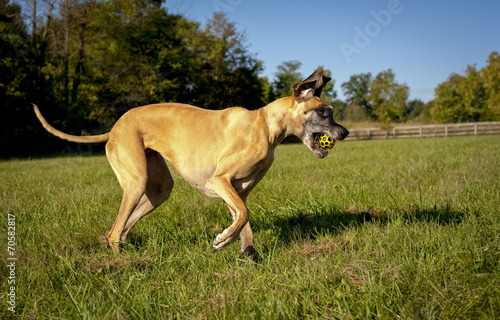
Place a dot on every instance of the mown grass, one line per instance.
(392, 229)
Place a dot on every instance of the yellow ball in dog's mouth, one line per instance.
(325, 141)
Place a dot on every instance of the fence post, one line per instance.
(394, 133)
(445, 130)
(420, 131)
(475, 129)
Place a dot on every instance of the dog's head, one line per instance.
(314, 117)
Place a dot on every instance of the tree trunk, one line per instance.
(79, 69)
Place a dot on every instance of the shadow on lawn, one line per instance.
(307, 224)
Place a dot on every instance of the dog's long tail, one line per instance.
(80, 139)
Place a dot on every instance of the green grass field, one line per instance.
(396, 229)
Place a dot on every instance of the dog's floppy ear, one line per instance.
(311, 86)
(304, 90)
(320, 84)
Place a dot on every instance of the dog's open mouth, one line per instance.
(321, 144)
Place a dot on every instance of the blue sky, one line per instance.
(423, 42)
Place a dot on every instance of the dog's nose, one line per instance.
(344, 133)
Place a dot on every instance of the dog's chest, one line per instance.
(239, 185)
(243, 185)
(249, 182)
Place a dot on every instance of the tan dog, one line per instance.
(221, 153)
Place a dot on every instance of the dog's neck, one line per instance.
(278, 115)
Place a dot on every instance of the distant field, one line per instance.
(384, 229)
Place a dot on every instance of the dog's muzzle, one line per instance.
(339, 133)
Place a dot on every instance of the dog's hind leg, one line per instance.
(221, 184)
(247, 242)
(246, 235)
(158, 188)
(130, 166)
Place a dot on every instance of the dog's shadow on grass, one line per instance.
(309, 224)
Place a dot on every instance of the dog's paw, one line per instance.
(249, 252)
(222, 240)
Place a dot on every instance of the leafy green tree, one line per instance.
(491, 78)
(474, 95)
(268, 93)
(357, 90)
(461, 98)
(13, 41)
(381, 98)
(119, 54)
(19, 85)
(229, 75)
(63, 37)
(92, 60)
(355, 113)
(286, 76)
(417, 110)
(447, 103)
(329, 95)
(339, 108)
(127, 64)
(387, 98)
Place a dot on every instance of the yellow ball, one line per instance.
(326, 142)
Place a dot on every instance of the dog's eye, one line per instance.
(323, 112)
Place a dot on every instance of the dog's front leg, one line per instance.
(246, 235)
(221, 184)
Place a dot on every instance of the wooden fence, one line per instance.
(426, 131)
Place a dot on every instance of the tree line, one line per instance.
(86, 62)
(474, 96)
